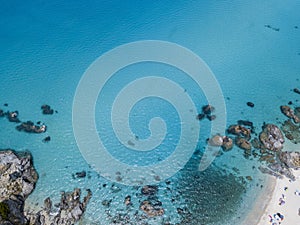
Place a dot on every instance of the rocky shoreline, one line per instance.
(267, 145)
(18, 178)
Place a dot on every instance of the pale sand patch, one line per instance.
(292, 202)
(263, 199)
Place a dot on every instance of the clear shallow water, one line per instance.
(46, 47)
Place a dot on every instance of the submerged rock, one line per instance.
(149, 190)
(243, 143)
(296, 90)
(81, 174)
(47, 139)
(127, 200)
(208, 109)
(151, 209)
(2, 114)
(291, 131)
(250, 104)
(271, 137)
(200, 116)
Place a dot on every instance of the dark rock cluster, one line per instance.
(47, 110)
(152, 207)
(269, 143)
(207, 111)
(30, 127)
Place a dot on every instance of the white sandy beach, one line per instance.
(285, 190)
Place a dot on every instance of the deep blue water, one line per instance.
(46, 46)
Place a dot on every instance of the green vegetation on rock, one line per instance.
(4, 210)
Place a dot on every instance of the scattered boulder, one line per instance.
(46, 109)
(296, 90)
(243, 143)
(239, 131)
(201, 116)
(287, 111)
(216, 140)
(224, 141)
(245, 123)
(81, 174)
(291, 131)
(211, 117)
(13, 117)
(227, 143)
(2, 114)
(208, 109)
(250, 104)
(47, 139)
(127, 200)
(271, 137)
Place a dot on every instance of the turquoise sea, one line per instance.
(252, 47)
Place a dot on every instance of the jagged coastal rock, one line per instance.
(70, 209)
(290, 159)
(17, 180)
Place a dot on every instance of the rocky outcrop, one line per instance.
(70, 210)
(291, 131)
(271, 137)
(149, 190)
(290, 159)
(286, 110)
(17, 180)
(30, 127)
